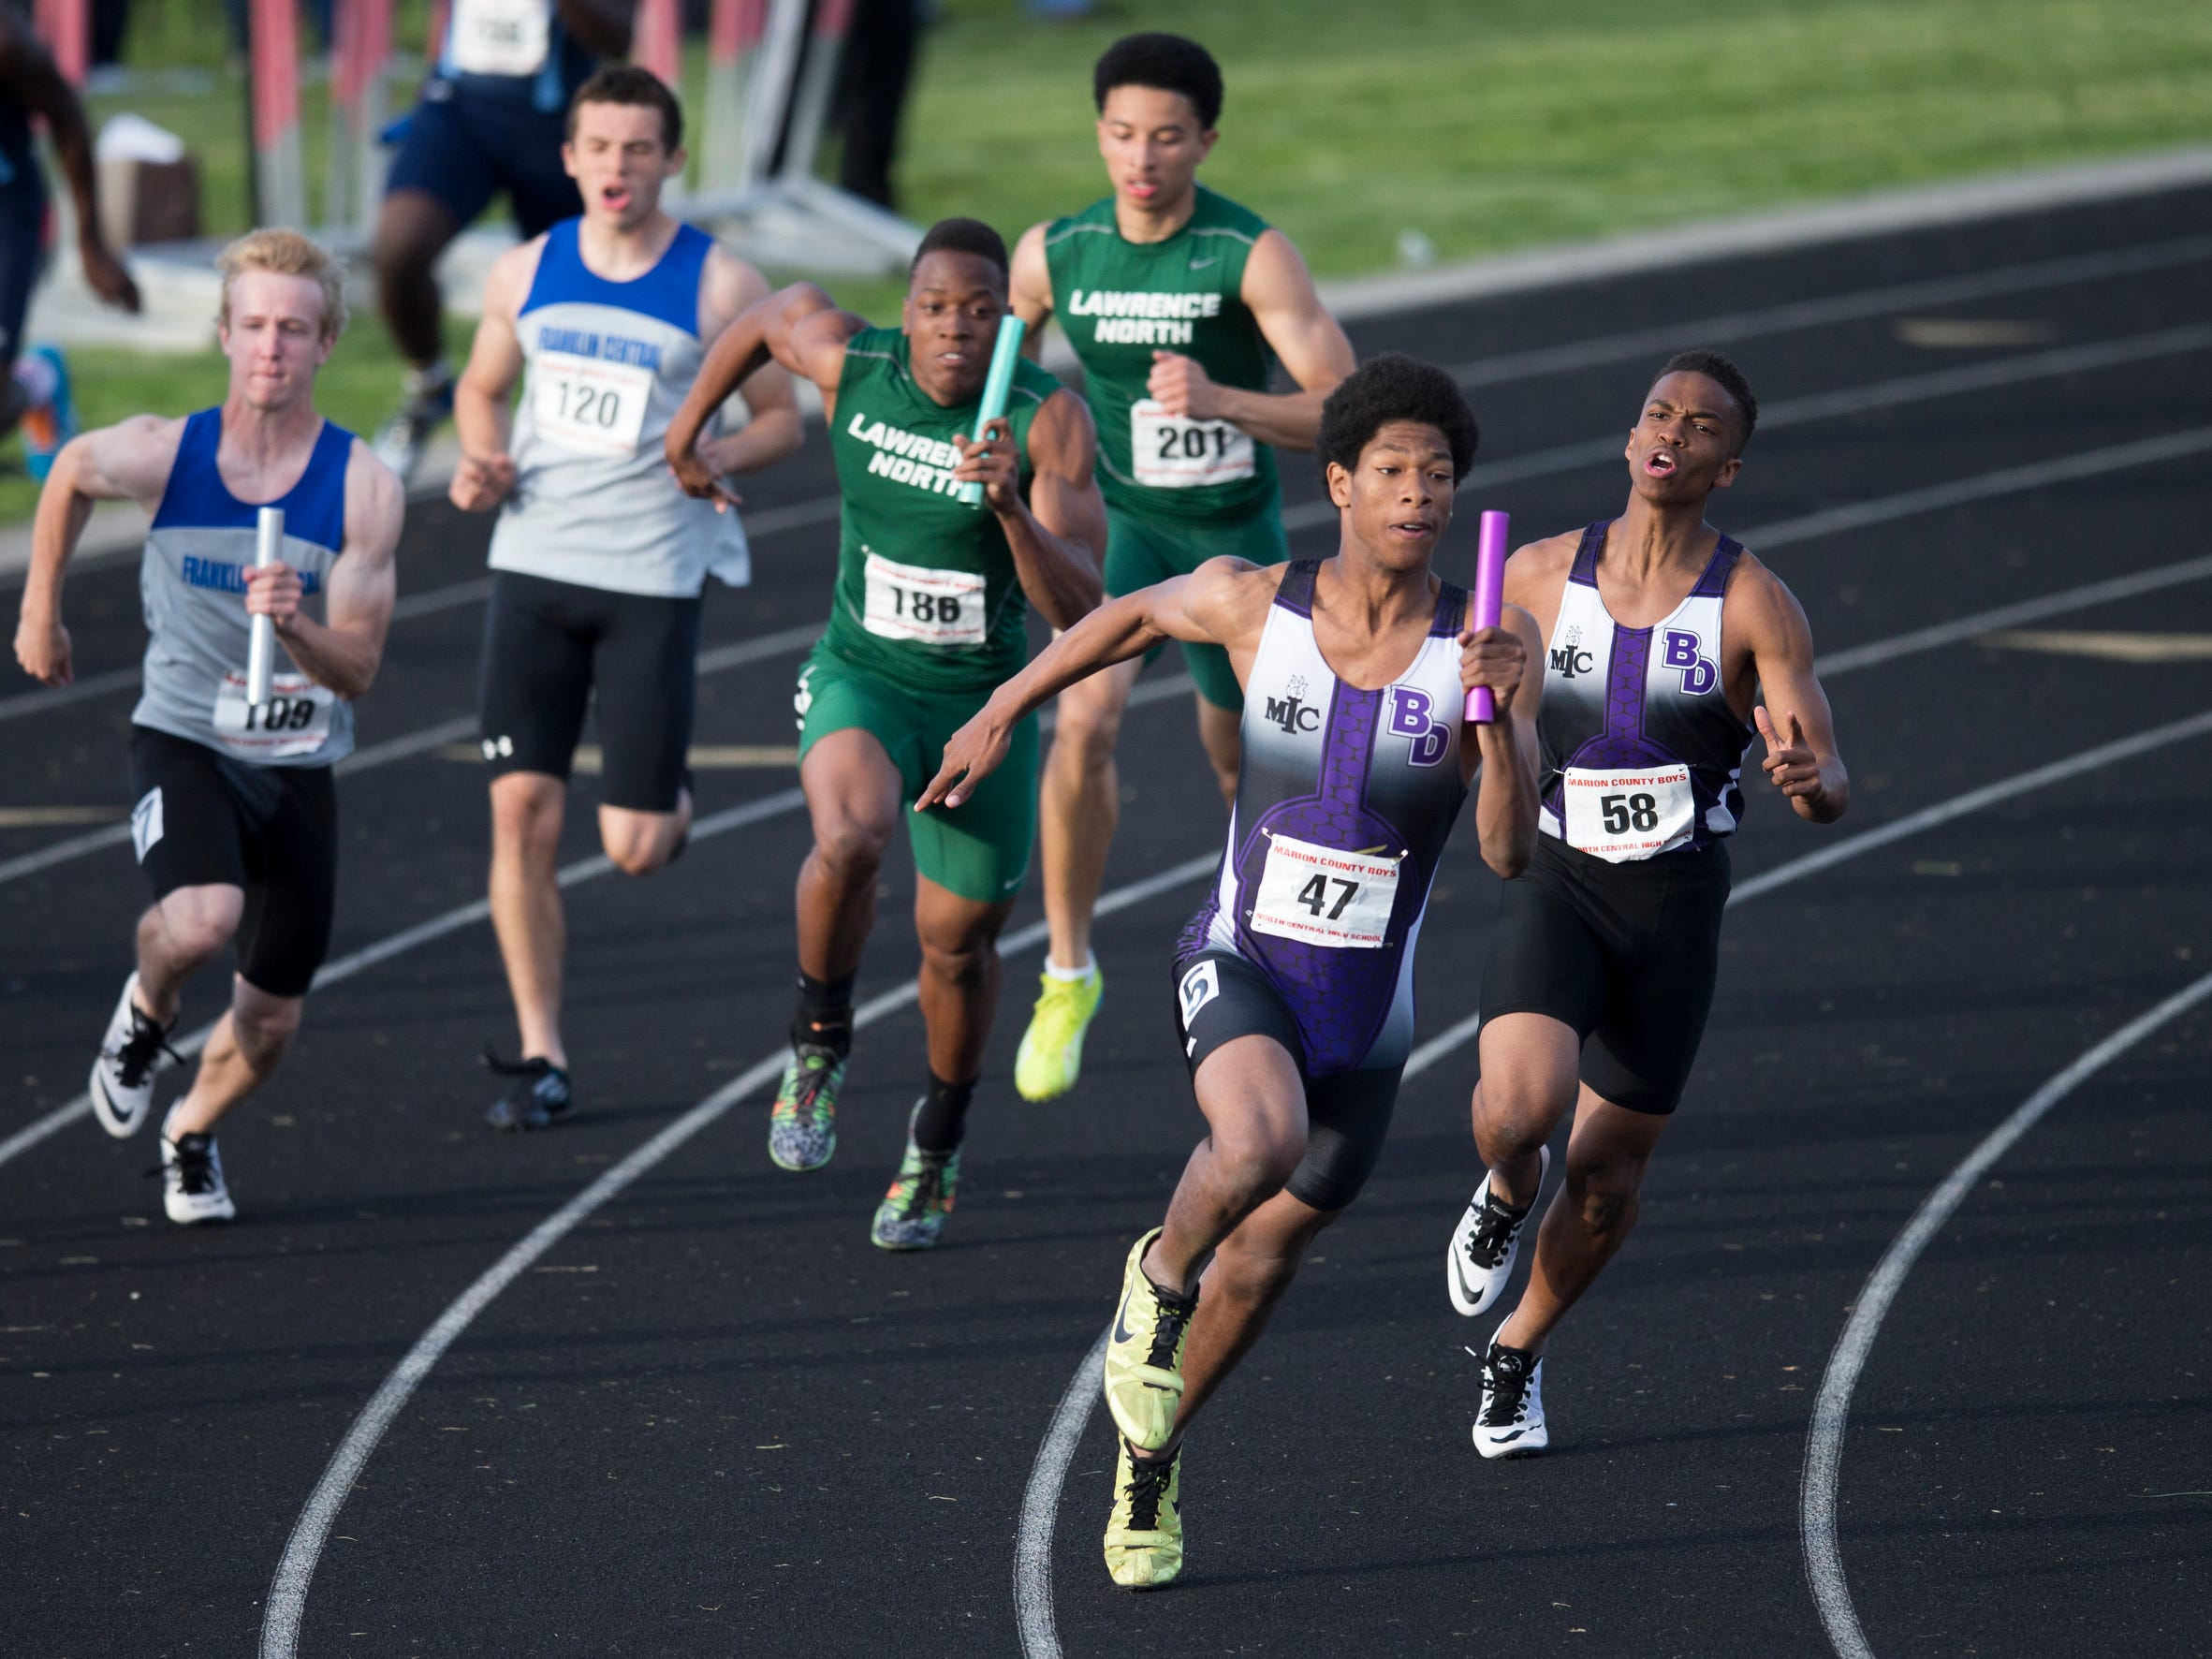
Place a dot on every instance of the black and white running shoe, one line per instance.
(538, 1099)
(135, 1049)
(1484, 1243)
(192, 1189)
(1511, 1421)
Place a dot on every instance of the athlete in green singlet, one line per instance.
(1178, 304)
(926, 621)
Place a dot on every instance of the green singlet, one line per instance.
(1178, 491)
(926, 619)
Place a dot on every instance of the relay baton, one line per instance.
(269, 543)
(1490, 600)
(996, 385)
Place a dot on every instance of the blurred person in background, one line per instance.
(490, 121)
(35, 393)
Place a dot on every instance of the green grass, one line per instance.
(1483, 125)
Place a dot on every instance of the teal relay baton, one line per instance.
(996, 385)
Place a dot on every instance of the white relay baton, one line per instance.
(268, 544)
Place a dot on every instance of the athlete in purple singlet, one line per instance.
(1294, 984)
(1601, 970)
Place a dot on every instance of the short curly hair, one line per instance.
(960, 235)
(1724, 374)
(1166, 63)
(1393, 387)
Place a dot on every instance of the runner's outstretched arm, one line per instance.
(1502, 659)
(1796, 721)
(343, 655)
(799, 326)
(1030, 282)
(773, 428)
(127, 461)
(1059, 547)
(1279, 291)
(483, 416)
(1224, 602)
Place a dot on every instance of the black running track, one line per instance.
(711, 1418)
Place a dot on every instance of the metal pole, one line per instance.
(818, 85)
(733, 41)
(278, 171)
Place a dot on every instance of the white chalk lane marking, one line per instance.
(288, 1592)
(437, 927)
(1033, 1558)
(1831, 1410)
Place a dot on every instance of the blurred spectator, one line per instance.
(871, 92)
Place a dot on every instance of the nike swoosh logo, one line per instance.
(1202, 264)
(1121, 1331)
(1467, 1289)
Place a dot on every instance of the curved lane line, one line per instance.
(1831, 1411)
(1033, 1544)
(287, 1590)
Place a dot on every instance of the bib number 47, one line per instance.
(1314, 896)
(1624, 812)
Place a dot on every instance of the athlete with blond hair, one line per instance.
(236, 820)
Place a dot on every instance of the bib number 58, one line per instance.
(1624, 812)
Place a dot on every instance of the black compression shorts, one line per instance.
(1625, 954)
(205, 819)
(1220, 997)
(549, 645)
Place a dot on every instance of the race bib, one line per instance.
(1630, 814)
(587, 406)
(1170, 452)
(501, 37)
(933, 607)
(1325, 897)
(295, 721)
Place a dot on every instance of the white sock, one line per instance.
(36, 376)
(1070, 975)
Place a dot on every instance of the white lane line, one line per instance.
(1831, 1410)
(1479, 372)
(1041, 1501)
(398, 943)
(437, 927)
(287, 1590)
(1040, 1505)
(2005, 481)
(712, 661)
(1857, 400)
(1808, 314)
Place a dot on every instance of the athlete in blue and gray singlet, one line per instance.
(598, 558)
(608, 363)
(191, 581)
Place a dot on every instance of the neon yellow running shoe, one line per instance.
(1144, 1356)
(1052, 1048)
(1144, 1535)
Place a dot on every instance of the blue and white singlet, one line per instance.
(192, 583)
(610, 364)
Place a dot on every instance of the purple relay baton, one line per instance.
(1489, 601)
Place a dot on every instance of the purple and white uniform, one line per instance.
(1614, 929)
(1641, 752)
(1344, 801)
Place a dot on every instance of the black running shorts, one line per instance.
(549, 645)
(205, 819)
(1219, 997)
(1625, 954)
